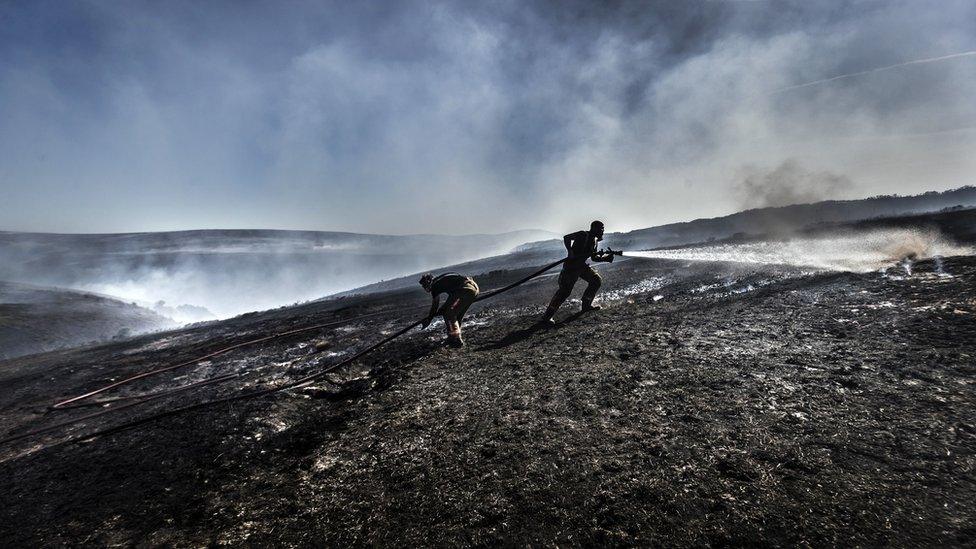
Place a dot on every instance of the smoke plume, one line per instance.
(789, 183)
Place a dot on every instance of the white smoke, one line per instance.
(858, 252)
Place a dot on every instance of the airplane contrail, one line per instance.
(878, 69)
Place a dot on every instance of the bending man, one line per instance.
(461, 292)
(580, 246)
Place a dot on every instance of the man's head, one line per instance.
(426, 281)
(596, 229)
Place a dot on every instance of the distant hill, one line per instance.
(787, 219)
(779, 220)
(247, 241)
(234, 271)
(35, 319)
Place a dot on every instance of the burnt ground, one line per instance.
(747, 405)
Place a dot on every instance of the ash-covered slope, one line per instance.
(707, 404)
(34, 319)
(233, 271)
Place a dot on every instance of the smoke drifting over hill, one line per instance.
(232, 272)
(789, 183)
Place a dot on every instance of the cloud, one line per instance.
(878, 69)
(458, 117)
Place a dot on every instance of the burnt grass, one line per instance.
(746, 406)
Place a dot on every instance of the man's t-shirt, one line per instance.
(447, 283)
(584, 245)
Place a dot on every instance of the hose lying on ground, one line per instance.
(130, 379)
(234, 398)
(159, 392)
(148, 397)
(175, 411)
(194, 385)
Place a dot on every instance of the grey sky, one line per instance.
(408, 117)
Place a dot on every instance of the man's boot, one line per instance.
(587, 307)
(454, 334)
(546, 319)
(455, 341)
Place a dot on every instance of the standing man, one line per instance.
(580, 246)
(461, 292)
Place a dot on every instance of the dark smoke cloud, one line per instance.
(459, 117)
(789, 183)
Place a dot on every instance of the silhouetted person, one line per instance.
(461, 292)
(580, 246)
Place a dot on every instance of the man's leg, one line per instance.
(454, 330)
(468, 295)
(593, 282)
(567, 279)
(451, 320)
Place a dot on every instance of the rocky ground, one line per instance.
(707, 404)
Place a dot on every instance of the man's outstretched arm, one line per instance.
(435, 304)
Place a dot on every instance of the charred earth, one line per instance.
(707, 403)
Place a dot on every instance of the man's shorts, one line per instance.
(571, 273)
(462, 298)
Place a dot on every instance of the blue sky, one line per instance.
(410, 117)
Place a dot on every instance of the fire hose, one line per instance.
(65, 403)
(238, 397)
(176, 411)
(72, 402)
